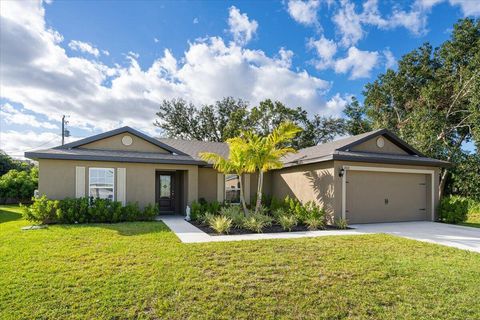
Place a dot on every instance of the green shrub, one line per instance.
(287, 222)
(42, 210)
(257, 222)
(277, 213)
(213, 207)
(342, 223)
(73, 211)
(17, 185)
(150, 212)
(195, 210)
(315, 223)
(131, 212)
(221, 224)
(235, 213)
(206, 217)
(453, 209)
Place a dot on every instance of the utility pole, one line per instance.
(65, 132)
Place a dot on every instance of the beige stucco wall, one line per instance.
(338, 182)
(306, 182)
(115, 143)
(371, 146)
(57, 178)
(207, 184)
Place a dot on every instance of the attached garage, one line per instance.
(382, 196)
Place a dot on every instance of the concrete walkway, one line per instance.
(466, 238)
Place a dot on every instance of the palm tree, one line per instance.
(265, 153)
(235, 163)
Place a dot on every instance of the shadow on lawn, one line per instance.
(125, 228)
(7, 215)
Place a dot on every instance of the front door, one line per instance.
(166, 192)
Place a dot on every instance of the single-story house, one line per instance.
(371, 177)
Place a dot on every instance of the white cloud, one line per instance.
(349, 24)
(336, 104)
(359, 63)
(38, 74)
(84, 47)
(241, 27)
(13, 116)
(469, 7)
(155, 40)
(325, 49)
(195, 20)
(304, 12)
(390, 61)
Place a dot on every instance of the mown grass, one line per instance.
(141, 270)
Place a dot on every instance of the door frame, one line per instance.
(173, 187)
(386, 169)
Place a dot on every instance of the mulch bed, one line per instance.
(274, 228)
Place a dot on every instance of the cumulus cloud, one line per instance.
(38, 74)
(390, 61)
(241, 27)
(359, 63)
(325, 49)
(336, 104)
(14, 116)
(304, 12)
(84, 47)
(469, 7)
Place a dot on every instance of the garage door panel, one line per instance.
(385, 197)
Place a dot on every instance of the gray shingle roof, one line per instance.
(187, 152)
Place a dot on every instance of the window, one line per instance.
(232, 188)
(101, 183)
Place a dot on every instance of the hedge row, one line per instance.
(85, 210)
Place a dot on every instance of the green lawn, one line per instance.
(473, 220)
(141, 270)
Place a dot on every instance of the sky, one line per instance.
(108, 64)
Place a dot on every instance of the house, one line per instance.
(371, 177)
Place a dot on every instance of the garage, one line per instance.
(373, 195)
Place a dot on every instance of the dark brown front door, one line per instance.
(166, 192)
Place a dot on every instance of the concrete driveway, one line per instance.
(466, 238)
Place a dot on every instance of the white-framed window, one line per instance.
(232, 188)
(101, 183)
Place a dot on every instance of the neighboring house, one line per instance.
(372, 177)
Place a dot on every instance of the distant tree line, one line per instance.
(18, 179)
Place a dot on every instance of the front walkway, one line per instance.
(188, 233)
(460, 237)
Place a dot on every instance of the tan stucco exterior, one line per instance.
(115, 143)
(207, 182)
(57, 178)
(371, 146)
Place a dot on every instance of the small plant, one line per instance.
(454, 209)
(315, 223)
(257, 222)
(342, 224)
(287, 222)
(235, 214)
(196, 210)
(206, 217)
(221, 224)
(42, 210)
(131, 211)
(150, 212)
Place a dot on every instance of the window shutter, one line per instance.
(220, 187)
(246, 187)
(79, 182)
(122, 185)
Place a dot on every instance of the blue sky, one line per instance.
(108, 64)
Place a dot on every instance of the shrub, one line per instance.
(150, 212)
(235, 214)
(315, 223)
(196, 210)
(131, 212)
(16, 185)
(287, 222)
(213, 207)
(257, 222)
(342, 223)
(221, 224)
(453, 209)
(42, 210)
(277, 213)
(206, 217)
(73, 211)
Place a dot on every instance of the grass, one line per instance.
(473, 220)
(141, 270)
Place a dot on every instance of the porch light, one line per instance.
(342, 171)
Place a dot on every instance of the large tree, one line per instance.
(432, 100)
(228, 117)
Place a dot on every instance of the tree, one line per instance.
(265, 152)
(228, 117)
(7, 164)
(356, 122)
(18, 185)
(235, 163)
(432, 100)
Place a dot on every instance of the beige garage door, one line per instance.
(385, 197)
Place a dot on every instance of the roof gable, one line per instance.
(93, 142)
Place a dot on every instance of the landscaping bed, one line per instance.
(274, 228)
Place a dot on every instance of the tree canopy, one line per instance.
(228, 117)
